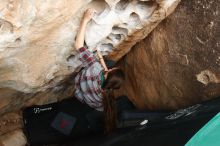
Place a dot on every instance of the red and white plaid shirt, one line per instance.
(88, 81)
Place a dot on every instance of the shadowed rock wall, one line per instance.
(178, 64)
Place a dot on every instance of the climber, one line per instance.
(94, 85)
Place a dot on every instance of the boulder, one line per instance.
(178, 64)
(37, 56)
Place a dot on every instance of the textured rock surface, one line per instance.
(178, 64)
(36, 36)
(36, 53)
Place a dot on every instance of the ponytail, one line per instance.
(109, 111)
(114, 79)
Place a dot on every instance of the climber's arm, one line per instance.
(102, 61)
(81, 33)
(85, 55)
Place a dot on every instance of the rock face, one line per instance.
(36, 53)
(36, 37)
(178, 64)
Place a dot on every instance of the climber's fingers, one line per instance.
(89, 13)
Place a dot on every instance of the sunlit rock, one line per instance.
(37, 37)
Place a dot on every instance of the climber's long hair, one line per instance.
(114, 79)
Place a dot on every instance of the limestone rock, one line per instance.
(178, 64)
(36, 50)
(37, 58)
(16, 137)
(175, 66)
(10, 122)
